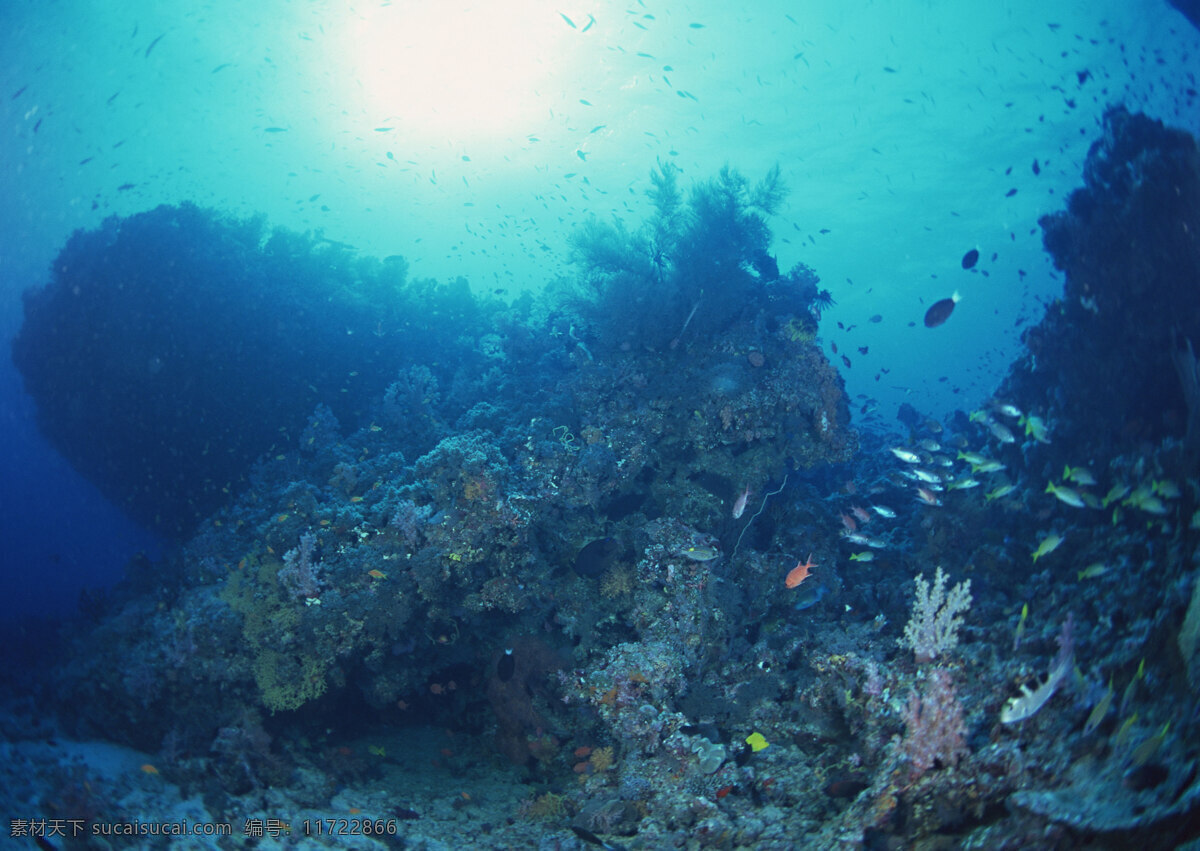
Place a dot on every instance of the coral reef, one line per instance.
(556, 534)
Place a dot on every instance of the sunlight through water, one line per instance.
(420, 66)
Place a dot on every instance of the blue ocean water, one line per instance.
(459, 151)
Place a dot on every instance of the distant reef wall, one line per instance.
(1109, 362)
(172, 348)
(1190, 10)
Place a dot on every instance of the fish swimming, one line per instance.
(739, 506)
(587, 836)
(799, 573)
(941, 310)
(506, 666)
(1065, 494)
(1048, 545)
(152, 44)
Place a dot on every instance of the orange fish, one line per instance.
(928, 497)
(848, 523)
(378, 574)
(799, 573)
(149, 769)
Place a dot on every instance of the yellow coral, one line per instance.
(476, 488)
(601, 759)
(285, 681)
(616, 582)
(288, 682)
(547, 807)
(799, 331)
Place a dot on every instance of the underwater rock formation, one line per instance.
(395, 534)
(1100, 363)
(172, 348)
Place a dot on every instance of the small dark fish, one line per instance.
(1010, 193)
(581, 155)
(587, 836)
(383, 129)
(221, 67)
(970, 258)
(585, 102)
(86, 160)
(124, 187)
(862, 350)
(507, 666)
(588, 25)
(17, 93)
(877, 318)
(846, 361)
(570, 23)
(114, 97)
(597, 557)
(696, 26)
(889, 69)
(275, 130)
(37, 126)
(1037, 169)
(940, 311)
(833, 345)
(151, 47)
